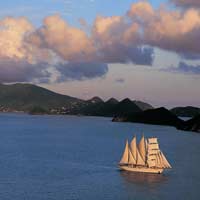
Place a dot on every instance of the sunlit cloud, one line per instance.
(77, 54)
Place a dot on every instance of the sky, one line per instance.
(143, 50)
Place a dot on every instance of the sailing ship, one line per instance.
(145, 157)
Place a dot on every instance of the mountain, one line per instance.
(192, 125)
(109, 108)
(126, 107)
(95, 100)
(188, 111)
(23, 97)
(92, 107)
(143, 106)
(159, 116)
(37, 100)
(112, 101)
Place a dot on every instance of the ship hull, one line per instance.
(141, 169)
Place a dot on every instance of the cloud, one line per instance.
(78, 54)
(190, 56)
(119, 41)
(19, 61)
(27, 54)
(141, 10)
(111, 40)
(122, 39)
(186, 68)
(172, 30)
(68, 42)
(187, 3)
(120, 80)
(22, 71)
(81, 71)
(12, 31)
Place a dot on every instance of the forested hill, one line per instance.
(38, 100)
(23, 97)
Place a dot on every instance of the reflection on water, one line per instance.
(144, 183)
(143, 178)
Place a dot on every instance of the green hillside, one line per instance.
(26, 96)
(37, 100)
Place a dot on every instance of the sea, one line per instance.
(76, 158)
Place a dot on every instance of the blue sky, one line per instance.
(165, 83)
(71, 10)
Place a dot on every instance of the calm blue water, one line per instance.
(68, 157)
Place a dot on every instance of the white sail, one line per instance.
(140, 161)
(133, 148)
(159, 162)
(124, 159)
(152, 157)
(166, 163)
(142, 148)
(146, 156)
(153, 150)
(153, 140)
(151, 163)
(131, 159)
(151, 160)
(153, 146)
(146, 144)
(136, 153)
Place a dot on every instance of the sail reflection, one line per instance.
(143, 178)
